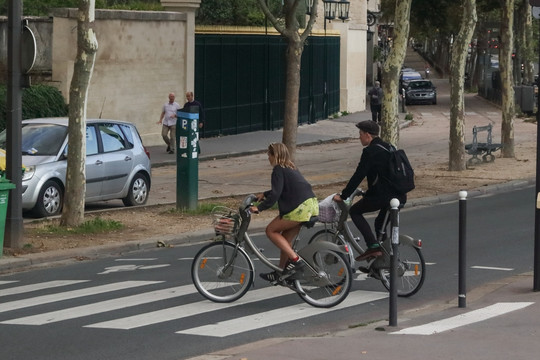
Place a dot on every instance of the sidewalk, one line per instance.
(257, 142)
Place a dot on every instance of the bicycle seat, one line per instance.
(309, 224)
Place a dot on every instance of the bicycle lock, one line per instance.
(394, 252)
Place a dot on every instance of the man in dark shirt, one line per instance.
(373, 165)
(375, 101)
(193, 106)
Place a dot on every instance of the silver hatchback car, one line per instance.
(117, 164)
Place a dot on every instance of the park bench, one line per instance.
(482, 148)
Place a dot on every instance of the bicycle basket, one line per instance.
(328, 213)
(226, 221)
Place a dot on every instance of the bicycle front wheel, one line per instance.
(331, 283)
(411, 271)
(221, 272)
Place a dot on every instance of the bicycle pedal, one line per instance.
(364, 269)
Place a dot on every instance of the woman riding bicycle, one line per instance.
(373, 165)
(296, 202)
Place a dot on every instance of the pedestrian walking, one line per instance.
(375, 101)
(168, 122)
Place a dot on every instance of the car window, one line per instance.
(128, 134)
(91, 141)
(420, 84)
(112, 137)
(39, 139)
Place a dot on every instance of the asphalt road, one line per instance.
(142, 305)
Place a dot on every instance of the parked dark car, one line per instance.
(420, 92)
(117, 164)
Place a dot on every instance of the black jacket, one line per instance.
(373, 165)
(289, 189)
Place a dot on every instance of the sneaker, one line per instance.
(170, 152)
(168, 148)
(273, 276)
(369, 253)
(293, 266)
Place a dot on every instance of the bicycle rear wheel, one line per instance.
(332, 283)
(222, 273)
(411, 271)
(332, 236)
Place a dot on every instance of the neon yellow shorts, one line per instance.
(304, 211)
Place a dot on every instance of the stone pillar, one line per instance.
(189, 7)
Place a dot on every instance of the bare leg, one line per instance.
(282, 233)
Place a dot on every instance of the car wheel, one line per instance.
(138, 191)
(435, 101)
(50, 200)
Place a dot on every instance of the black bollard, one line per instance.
(394, 217)
(462, 296)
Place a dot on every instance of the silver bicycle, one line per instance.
(222, 271)
(411, 269)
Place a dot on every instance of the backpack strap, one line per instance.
(392, 147)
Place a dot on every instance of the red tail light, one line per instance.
(146, 152)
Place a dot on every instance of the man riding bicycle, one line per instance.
(373, 165)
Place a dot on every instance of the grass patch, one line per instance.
(202, 209)
(94, 226)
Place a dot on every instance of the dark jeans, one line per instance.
(366, 205)
(376, 112)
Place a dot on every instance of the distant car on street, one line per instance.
(420, 92)
(117, 163)
(407, 76)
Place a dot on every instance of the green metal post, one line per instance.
(187, 160)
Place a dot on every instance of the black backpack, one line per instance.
(400, 174)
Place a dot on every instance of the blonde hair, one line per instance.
(281, 155)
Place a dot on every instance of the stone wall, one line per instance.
(141, 57)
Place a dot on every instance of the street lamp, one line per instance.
(309, 6)
(343, 7)
(335, 8)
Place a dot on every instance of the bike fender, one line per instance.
(406, 240)
(308, 251)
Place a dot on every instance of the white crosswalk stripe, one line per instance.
(40, 300)
(278, 316)
(35, 287)
(463, 319)
(6, 282)
(99, 307)
(183, 311)
(159, 314)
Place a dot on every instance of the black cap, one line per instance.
(369, 126)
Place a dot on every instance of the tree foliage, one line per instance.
(234, 12)
(42, 7)
(37, 101)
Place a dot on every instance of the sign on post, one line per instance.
(187, 162)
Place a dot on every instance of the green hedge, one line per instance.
(37, 101)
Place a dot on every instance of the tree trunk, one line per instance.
(457, 79)
(391, 69)
(505, 65)
(73, 211)
(525, 42)
(292, 91)
(295, 46)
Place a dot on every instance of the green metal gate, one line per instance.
(240, 80)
